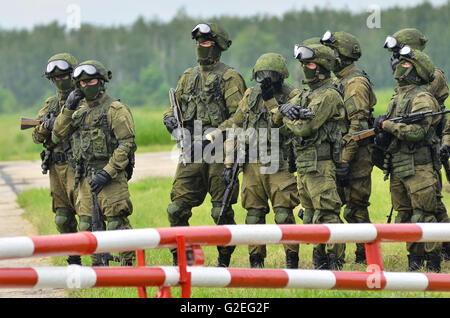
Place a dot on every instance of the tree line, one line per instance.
(147, 57)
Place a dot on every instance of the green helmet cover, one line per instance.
(422, 63)
(310, 41)
(346, 44)
(323, 55)
(271, 62)
(103, 73)
(220, 36)
(69, 58)
(411, 37)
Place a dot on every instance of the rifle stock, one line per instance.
(26, 123)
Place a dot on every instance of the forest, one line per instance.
(147, 57)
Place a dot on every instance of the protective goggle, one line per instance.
(203, 28)
(406, 51)
(391, 43)
(303, 53)
(328, 38)
(261, 75)
(60, 64)
(87, 68)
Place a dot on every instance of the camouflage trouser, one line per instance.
(357, 193)
(415, 199)
(320, 199)
(441, 214)
(63, 197)
(115, 206)
(257, 189)
(190, 187)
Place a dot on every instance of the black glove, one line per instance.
(342, 174)
(171, 123)
(378, 123)
(99, 180)
(267, 89)
(383, 139)
(74, 99)
(226, 175)
(49, 121)
(444, 152)
(290, 111)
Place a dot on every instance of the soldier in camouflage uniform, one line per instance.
(359, 99)
(255, 111)
(317, 144)
(411, 154)
(103, 143)
(56, 155)
(208, 93)
(437, 87)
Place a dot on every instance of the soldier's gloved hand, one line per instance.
(171, 123)
(378, 123)
(290, 111)
(267, 89)
(74, 99)
(49, 121)
(342, 174)
(227, 175)
(99, 181)
(444, 152)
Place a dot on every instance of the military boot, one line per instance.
(189, 257)
(415, 262)
(360, 257)
(223, 260)
(433, 262)
(74, 260)
(446, 251)
(320, 262)
(291, 260)
(256, 261)
(335, 263)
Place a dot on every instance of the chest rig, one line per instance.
(202, 98)
(401, 155)
(325, 143)
(93, 143)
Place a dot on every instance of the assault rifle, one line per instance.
(27, 123)
(229, 190)
(103, 259)
(406, 119)
(180, 137)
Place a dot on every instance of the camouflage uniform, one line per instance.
(103, 139)
(317, 145)
(61, 174)
(359, 100)
(258, 187)
(411, 158)
(208, 93)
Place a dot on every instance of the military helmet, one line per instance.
(422, 62)
(317, 53)
(271, 62)
(60, 64)
(214, 33)
(411, 37)
(345, 43)
(91, 69)
(313, 40)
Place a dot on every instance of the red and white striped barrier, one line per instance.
(74, 276)
(83, 243)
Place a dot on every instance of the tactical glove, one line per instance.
(267, 90)
(99, 181)
(378, 123)
(342, 174)
(444, 152)
(171, 123)
(49, 121)
(290, 111)
(74, 99)
(227, 175)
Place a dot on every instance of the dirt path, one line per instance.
(19, 176)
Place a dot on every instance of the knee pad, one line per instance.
(423, 217)
(255, 216)
(65, 221)
(308, 216)
(283, 216)
(178, 214)
(115, 223)
(226, 218)
(403, 217)
(85, 223)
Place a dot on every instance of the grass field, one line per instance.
(38, 210)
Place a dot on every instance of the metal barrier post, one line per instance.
(142, 291)
(185, 276)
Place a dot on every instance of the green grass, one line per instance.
(150, 199)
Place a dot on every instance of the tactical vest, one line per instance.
(325, 143)
(204, 101)
(93, 143)
(402, 155)
(257, 116)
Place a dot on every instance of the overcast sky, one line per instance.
(27, 13)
